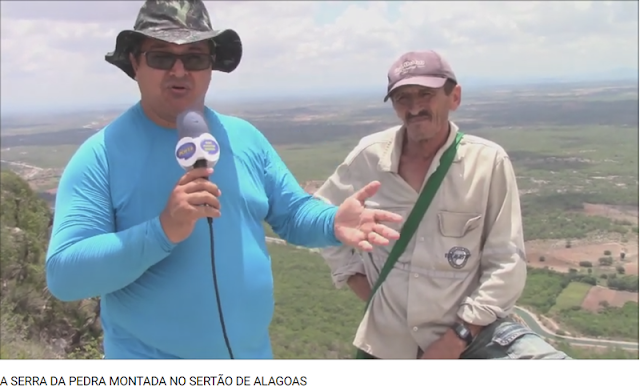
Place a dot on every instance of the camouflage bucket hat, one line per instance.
(179, 22)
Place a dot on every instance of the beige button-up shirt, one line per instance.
(465, 260)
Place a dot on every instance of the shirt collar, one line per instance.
(390, 158)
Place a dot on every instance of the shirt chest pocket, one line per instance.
(458, 241)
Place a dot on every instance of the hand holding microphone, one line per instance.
(194, 196)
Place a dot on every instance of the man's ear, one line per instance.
(455, 98)
(134, 63)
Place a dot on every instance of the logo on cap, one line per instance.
(408, 66)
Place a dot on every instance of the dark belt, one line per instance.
(363, 355)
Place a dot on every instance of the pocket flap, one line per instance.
(454, 224)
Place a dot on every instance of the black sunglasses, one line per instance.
(163, 60)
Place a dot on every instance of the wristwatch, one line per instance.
(463, 333)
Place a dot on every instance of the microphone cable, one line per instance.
(206, 151)
(203, 164)
(215, 287)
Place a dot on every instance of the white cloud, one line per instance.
(53, 52)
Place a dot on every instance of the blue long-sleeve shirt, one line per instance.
(157, 298)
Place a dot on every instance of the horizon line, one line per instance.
(475, 85)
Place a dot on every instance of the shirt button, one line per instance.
(415, 328)
(415, 275)
(421, 238)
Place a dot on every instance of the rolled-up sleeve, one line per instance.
(342, 261)
(503, 266)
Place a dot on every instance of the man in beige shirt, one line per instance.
(451, 292)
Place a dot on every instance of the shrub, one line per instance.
(606, 261)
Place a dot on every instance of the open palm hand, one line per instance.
(359, 227)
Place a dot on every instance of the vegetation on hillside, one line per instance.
(314, 321)
(544, 293)
(571, 296)
(609, 322)
(596, 353)
(33, 324)
(560, 216)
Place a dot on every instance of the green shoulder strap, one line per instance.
(414, 218)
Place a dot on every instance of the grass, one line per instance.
(580, 157)
(312, 319)
(542, 288)
(315, 161)
(571, 296)
(611, 322)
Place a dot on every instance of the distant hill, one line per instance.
(619, 74)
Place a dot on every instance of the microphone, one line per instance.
(196, 147)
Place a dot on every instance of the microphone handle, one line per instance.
(202, 163)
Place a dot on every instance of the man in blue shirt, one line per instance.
(129, 226)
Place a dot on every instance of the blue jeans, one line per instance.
(507, 339)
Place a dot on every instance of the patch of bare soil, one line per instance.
(598, 294)
(560, 258)
(631, 268)
(621, 213)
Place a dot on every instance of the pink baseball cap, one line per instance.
(424, 68)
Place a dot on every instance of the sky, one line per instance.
(52, 52)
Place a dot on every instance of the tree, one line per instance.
(622, 255)
(620, 269)
(624, 283)
(585, 264)
(607, 253)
